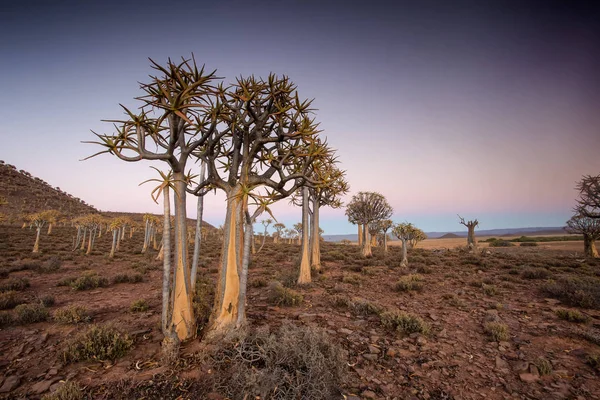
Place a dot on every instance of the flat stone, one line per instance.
(345, 331)
(11, 383)
(528, 377)
(367, 394)
(370, 357)
(374, 349)
(500, 363)
(41, 386)
(307, 317)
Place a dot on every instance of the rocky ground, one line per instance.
(535, 355)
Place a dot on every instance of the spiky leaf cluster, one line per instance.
(367, 207)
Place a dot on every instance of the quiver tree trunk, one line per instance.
(471, 242)
(146, 236)
(315, 247)
(373, 240)
(114, 244)
(225, 309)
(366, 243)
(304, 275)
(198, 233)
(589, 247)
(83, 240)
(360, 235)
(183, 312)
(248, 233)
(404, 262)
(118, 240)
(36, 246)
(385, 247)
(50, 228)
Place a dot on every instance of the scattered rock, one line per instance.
(374, 349)
(10, 384)
(345, 331)
(367, 394)
(528, 377)
(307, 317)
(41, 387)
(500, 363)
(370, 357)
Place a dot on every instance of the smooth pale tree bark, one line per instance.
(404, 262)
(225, 310)
(118, 240)
(36, 246)
(161, 251)
(360, 234)
(83, 240)
(146, 236)
(198, 235)
(315, 255)
(183, 312)
(366, 248)
(248, 233)
(304, 276)
(78, 239)
(114, 243)
(166, 284)
(123, 232)
(385, 246)
(50, 225)
(373, 240)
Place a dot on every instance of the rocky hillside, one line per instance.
(26, 194)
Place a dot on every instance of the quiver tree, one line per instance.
(365, 208)
(588, 203)
(385, 226)
(374, 230)
(417, 236)
(332, 186)
(262, 145)
(279, 229)
(298, 228)
(265, 223)
(406, 232)
(114, 227)
(471, 225)
(37, 220)
(52, 217)
(176, 118)
(589, 228)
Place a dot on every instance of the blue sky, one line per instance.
(487, 110)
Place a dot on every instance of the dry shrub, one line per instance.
(67, 391)
(9, 299)
(351, 279)
(535, 273)
(126, 278)
(140, 305)
(365, 307)
(283, 296)
(89, 280)
(572, 316)
(18, 284)
(72, 315)
(6, 318)
(575, 292)
(47, 300)
(497, 331)
(52, 265)
(404, 322)
(409, 282)
(293, 363)
(98, 342)
(31, 313)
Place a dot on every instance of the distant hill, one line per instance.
(27, 194)
(450, 236)
(554, 230)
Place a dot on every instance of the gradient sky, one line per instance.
(487, 110)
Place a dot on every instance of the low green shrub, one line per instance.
(98, 342)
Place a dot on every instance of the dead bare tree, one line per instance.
(471, 225)
(589, 228)
(588, 203)
(365, 208)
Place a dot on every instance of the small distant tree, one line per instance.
(374, 230)
(265, 223)
(365, 208)
(114, 227)
(589, 228)
(406, 232)
(37, 220)
(385, 225)
(471, 225)
(279, 229)
(298, 231)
